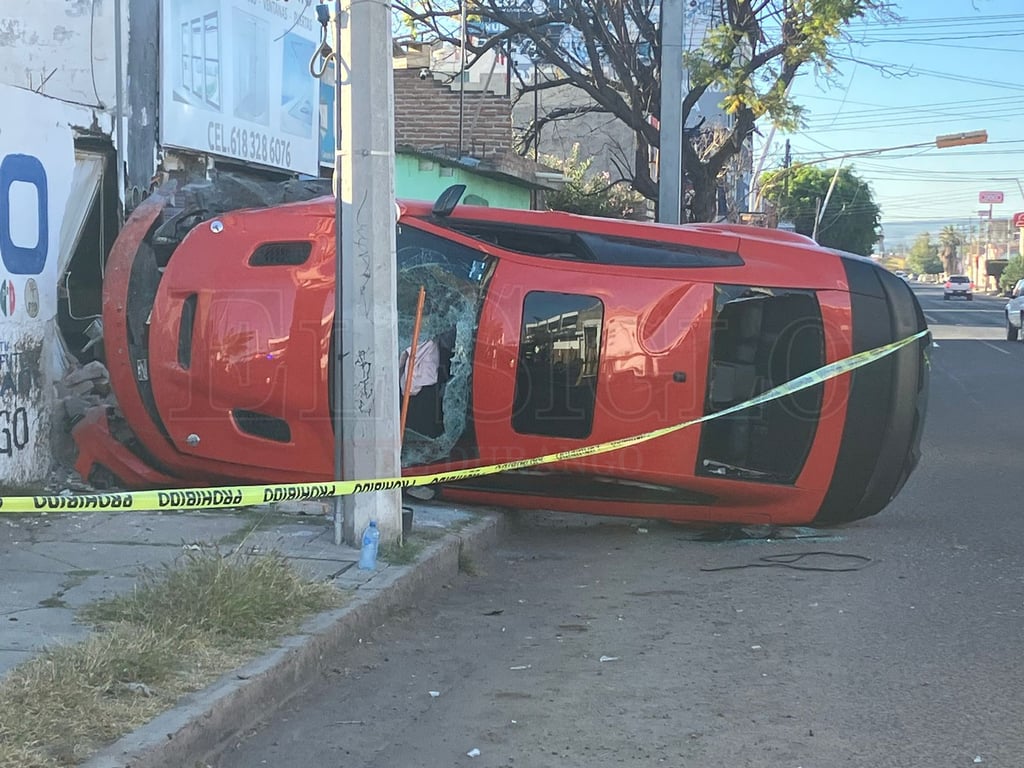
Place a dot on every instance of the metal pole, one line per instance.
(118, 111)
(670, 151)
(754, 198)
(410, 364)
(824, 205)
(536, 110)
(337, 416)
(462, 74)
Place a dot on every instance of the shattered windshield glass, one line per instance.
(453, 279)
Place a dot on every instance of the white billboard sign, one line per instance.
(235, 81)
(37, 164)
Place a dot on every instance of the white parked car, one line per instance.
(1015, 312)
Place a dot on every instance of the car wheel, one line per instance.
(1011, 330)
(970, 297)
(945, 297)
(1020, 327)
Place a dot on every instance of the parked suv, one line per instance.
(1015, 312)
(958, 285)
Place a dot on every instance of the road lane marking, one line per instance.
(997, 349)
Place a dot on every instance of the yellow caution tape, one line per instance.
(249, 495)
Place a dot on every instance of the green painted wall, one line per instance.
(418, 179)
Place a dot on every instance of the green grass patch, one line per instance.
(177, 631)
(404, 553)
(228, 598)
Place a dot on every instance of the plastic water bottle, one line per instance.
(368, 552)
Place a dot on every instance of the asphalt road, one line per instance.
(911, 658)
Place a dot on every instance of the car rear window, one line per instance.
(959, 279)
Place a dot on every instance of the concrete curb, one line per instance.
(206, 721)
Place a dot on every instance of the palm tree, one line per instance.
(949, 241)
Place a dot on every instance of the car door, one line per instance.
(571, 355)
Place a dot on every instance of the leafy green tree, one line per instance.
(610, 51)
(924, 256)
(591, 194)
(949, 242)
(851, 219)
(1014, 271)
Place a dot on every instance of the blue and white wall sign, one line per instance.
(37, 162)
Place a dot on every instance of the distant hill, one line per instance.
(904, 233)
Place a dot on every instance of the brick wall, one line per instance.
(427, 117)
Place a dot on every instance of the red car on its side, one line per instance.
(551, 331)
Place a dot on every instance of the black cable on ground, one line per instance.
(792, 559)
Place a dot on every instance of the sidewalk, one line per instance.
(54, 564)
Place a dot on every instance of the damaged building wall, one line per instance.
(37, 162)
(60, 49)
(58, 206)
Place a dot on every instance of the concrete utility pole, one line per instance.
(364, 167)
(670, 152)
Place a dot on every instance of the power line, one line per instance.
(929, 105)
(912, 71)
(940, 22)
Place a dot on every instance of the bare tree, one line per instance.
(610, 50)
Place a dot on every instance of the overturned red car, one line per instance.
(549, 332)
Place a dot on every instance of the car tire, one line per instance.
(970, 297)
(1012, 332)
(1021, 326)
(945, 297)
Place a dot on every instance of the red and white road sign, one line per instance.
(990, 197)
(1018, 220)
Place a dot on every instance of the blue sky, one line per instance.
(951, 66)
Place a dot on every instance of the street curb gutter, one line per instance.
(204, 723)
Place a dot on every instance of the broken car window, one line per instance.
(454, 279)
